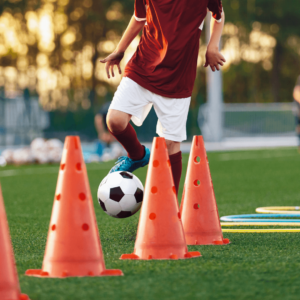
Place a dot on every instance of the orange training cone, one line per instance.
(200, 217)
(160, 233)
(73, 246)
(9, 283)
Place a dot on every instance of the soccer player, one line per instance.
(161, 73)
(104, 136)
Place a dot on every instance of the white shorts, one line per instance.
(137, 101)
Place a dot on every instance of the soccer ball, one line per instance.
(120, 194)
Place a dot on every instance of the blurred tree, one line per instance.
(53, 47)
(281, 19)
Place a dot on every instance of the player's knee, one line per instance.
(173, 147)
(115, 122)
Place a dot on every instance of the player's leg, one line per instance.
(129, 102)
(119, 126)
(176, 161)
(172, 115)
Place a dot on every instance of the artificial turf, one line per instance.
(253, 266)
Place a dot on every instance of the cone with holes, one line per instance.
(160, 233)
(73, 245)
(200, 217)
(9, 283)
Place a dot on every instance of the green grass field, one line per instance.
(253, 266)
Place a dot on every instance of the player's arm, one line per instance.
(214, 58)
(296, 93)
(115, 58)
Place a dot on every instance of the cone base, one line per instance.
(17, 297)
(133, 256)
(42, 274)
(192, 241)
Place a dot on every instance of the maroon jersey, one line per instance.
(165, 61)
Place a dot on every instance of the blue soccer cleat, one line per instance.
(125, 163)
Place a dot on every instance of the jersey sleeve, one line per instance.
(216, 8)
(140, 10)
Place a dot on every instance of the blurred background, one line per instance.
(52, 83)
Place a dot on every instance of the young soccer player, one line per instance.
(161, 73)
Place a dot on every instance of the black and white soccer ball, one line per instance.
(120, 194)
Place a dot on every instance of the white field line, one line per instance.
(41, 171)
(232, 156)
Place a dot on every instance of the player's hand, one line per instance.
(214, 59)
(296, 93)
(112, 60)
